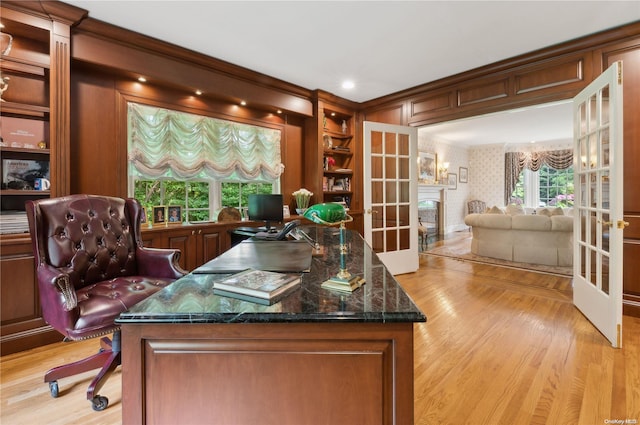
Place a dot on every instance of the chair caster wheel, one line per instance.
(99, 403)
(53, 388)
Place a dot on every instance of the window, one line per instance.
(192, 196)
(237, 194)
(199, 163)
(545, 187)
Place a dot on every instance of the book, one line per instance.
(261, 284)
(22, 173)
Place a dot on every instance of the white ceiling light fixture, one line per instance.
(348, 84)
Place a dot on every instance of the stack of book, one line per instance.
(258, 286)
(13, 222)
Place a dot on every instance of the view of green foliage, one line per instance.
(555, 187)
(193, 196)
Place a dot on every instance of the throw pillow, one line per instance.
(544, 211)
(495, 210)
(514, 209)
(557, 211)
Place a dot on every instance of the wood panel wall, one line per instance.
(107, 60)
(99, 123)
(556, 73)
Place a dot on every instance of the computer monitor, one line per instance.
(267, 208)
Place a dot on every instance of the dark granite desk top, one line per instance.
(191, 299)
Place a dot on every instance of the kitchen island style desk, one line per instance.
(315, 357)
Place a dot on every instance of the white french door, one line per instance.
(598, 209)
(391, 194)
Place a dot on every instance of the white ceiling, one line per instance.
(550, 122)
(382, 46)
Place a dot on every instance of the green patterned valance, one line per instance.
(173, 144)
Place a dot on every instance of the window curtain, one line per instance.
(174, 144)
(515, 162)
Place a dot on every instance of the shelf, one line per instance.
(336, 172)
(332, 152)
(337, 192)
(27, 151)
(18, 192)
(24, 66)
(24, 109)
(337, 135)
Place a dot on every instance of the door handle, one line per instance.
(370, 211)
(622, 224)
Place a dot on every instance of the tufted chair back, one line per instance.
(91, 239)
(91, 265)
(476, 206)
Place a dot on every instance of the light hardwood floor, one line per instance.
(500, 346)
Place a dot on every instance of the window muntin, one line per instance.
(545, 187)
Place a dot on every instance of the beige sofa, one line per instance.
(537, 239)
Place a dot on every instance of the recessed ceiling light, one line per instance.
(142, 79)
(348, 84)
(198, 92)
(243, 103)
(279, 111)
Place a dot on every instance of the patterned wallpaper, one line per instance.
(456, 199)
(486, 172)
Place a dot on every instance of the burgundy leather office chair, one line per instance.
(91, 267)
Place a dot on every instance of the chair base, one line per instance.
(107, 359)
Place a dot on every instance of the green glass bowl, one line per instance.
(327, 213)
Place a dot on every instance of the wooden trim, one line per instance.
(554, 73)
(173, 66)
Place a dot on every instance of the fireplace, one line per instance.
(432, 207)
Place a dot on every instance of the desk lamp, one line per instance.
(332, 214)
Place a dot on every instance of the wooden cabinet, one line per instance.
(35, 134)
(22, 326)
(337, 157)
(333, 154)
(25, 114)
(197, 243)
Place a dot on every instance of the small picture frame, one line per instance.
(464, 175)
(452, 181)
(427, 167)
(159, 214)
(174, 214)
(143, 215)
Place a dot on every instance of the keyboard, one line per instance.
(255, 229)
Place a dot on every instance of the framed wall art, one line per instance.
(427, 167)
(464, 175)
(453, 181)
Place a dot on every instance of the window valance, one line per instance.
(167, 143)
(515, 162)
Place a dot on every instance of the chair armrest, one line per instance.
(53, 284)
(159, 262)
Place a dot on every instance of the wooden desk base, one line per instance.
(278, 373)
